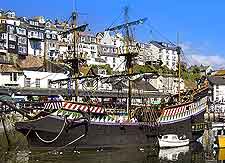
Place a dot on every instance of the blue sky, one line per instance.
(200, 23)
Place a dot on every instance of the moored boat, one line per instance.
(83, 126)
(171, 140)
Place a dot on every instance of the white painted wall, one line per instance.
(35, 52)
(5, 79)
(117, 64)
(44, 78)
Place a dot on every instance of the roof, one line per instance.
(9, 68)
(216, 80)
(118, 85)
(30, 62)
(100, 60)
(163, 45)
(143, 85)
(220, 73)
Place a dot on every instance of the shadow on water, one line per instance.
(20, 153)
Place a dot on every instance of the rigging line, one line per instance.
(120, 65)
(115, 20)
(164, 37)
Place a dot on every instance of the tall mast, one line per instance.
(179, 66)
(75, 54)
(128, 55)
(129, 59)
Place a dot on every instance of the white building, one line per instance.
(35, 38)
(166, 53)
(51, 44)
(166, 84)
(36, 79)
(110, 49)
(217, 93)
(11, 76)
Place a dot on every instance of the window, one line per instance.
(27, 82)
(22, 40)
(92, 48)
(114, 60)
(53, 36)
(217, 86)
(32, 33)
(37, 83)
(49, 83)
(12, 46)
(48, 35)
(82, 39)
(93, 54)
(13, 76)
(106, 59)
(12, 37)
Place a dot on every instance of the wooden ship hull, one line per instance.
(57, 131)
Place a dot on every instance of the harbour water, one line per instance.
(19, 152)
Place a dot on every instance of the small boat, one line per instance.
(172, 140)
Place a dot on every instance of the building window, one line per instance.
(37, 83)
(22, 40)
(48, 35)
(217, 86)
(12, 46)
(53, 36)
(27, 82)
(49, 83)
(114, 60)
(13, 76)
(12, 37)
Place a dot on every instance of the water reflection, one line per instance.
(172, 154)
(20, 153)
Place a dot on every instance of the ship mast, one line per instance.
(75, 55)
(179, 66)
(75, 58)
(129, 55)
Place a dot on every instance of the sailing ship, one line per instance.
(85, 125)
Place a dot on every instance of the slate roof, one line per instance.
(137, 84)
(216, 80)
(163, 45)
(143, 85)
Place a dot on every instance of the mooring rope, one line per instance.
(51, 141)
(72, 142)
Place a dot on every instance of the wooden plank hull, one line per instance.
(101, 134)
